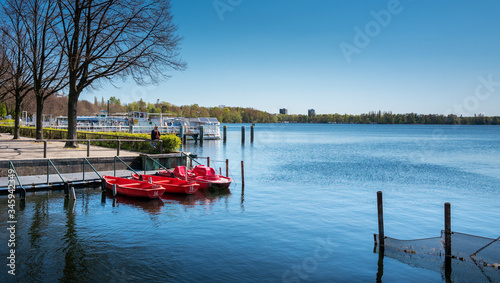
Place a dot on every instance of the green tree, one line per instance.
(3, 110)
(114, 100)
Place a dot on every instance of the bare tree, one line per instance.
(108, 39)
(45, 56)
(18, 80)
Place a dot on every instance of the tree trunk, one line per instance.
(39, 117)
(17, 114)
(72, 122)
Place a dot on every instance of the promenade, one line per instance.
(30, 149)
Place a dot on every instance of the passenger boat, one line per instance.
(171, 185)
(134, 188)
(201, 174)
(136, 122)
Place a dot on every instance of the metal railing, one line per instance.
(23, 190)
(155, 161)
(85, 160)
(119, 159)
(49, 162)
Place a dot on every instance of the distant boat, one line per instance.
(134, 188)
(171, 185)
(201, 174)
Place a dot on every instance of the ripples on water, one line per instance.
(310, 190)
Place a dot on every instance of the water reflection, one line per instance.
(75, 266)
(201, 197)
(151, 206)
(452, 268)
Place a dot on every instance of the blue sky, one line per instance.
(341, 56)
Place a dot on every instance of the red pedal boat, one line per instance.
(201, 174)
(134, 188)
(171, 185)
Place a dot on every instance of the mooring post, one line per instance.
(44, 149)
(227, 167)
(380, 207)
(447, 229)
(103, 185)
(88, 148)
(242, 174)
(66, 190)
(208, 161)
(251, 134)
(184, 139)
(201, 135)
(114, 190)
(224, 134)
(22, 193)
(118, 148)
(73, 193)
(242, 134)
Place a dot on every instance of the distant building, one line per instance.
(284, 111)
(311, 112)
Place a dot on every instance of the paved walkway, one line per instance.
(15, 150)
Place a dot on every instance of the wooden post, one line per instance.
(380, 207)
(201, 135)
(251, 134)
(66, 190)
(208, 161)
(227, 167)
(184, 139)
(44, 149)
(103, 185)
(22, 194)
(118, 149)
(224, 133)
(447, 229)
(242, 174)
(114, 190)
(88, 148)
(242, 134)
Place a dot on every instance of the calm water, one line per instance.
(307, 213)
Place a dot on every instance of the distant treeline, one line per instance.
(58, 106)
(390, 118)
(250, 115)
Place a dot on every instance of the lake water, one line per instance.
(307, 212)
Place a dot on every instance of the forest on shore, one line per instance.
(58, 106)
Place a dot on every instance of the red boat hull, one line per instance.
(171, 185)
(205, 176)
(134, 188)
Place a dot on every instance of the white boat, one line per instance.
(141, 122)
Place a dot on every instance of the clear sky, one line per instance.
(335, 56)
